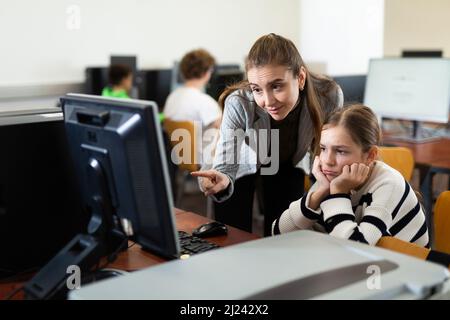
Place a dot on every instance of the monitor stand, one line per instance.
(417, 135)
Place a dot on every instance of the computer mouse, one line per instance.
(210, 229)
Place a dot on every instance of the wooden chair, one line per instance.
(411, 249)
(399, 158)
(442, 223)
(178, 131)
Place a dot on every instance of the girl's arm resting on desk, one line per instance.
(340, 219)
(298, 216)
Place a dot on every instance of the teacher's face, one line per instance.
(276, 89)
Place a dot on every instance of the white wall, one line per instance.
(339, 37)
(42, 45)
(417, 24)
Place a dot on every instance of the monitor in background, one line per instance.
(413, 89)
(130, 61)
(40, 206)
(353, 87)
(154, 85)
(223, 76)
(422, 54)
(96, 78)
(117, 149)
(176, 77)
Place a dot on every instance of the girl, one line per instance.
(355, 196)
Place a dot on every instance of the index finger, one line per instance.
(204, 174)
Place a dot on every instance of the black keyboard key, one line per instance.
(190, 244)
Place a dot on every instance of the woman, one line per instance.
(279, 93)
(355, 196)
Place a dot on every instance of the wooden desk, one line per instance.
(434, 153)
(135, 258)
(431, 158)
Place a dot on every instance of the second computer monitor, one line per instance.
(409, 88)
(353, 87)
(223, 76)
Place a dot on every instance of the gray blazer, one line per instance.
(237, 157)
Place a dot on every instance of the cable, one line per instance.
(16, 274)
(13, 293)
(113, 255)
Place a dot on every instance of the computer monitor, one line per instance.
(118, 152)
(124, 138)
(409, 89)
(176, 80)
(130, 61)
(353, 87)
(422, 54)
(96, 78)
(223, 76)
(40, 205)
(154, 85)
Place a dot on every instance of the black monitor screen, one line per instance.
(422, 53)
(130, 61)
(222, 77)
(353, 87)
(123, 139)
(40, 206)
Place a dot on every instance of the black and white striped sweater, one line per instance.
(385, 205)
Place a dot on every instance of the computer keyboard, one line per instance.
(190, 244)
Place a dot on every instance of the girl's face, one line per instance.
(276, 89)
(338, 149)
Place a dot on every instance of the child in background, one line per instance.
(120, 82)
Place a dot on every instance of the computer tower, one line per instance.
(96, 78)
(154, 85)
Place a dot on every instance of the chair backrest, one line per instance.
(442, 222)
(307, 183)
(399, 158)
(414, 250)
(178, 131)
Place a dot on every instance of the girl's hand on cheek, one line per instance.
(323, 183)
(351, 178)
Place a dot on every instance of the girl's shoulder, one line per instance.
(385, 175)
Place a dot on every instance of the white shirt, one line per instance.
(191, 104)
